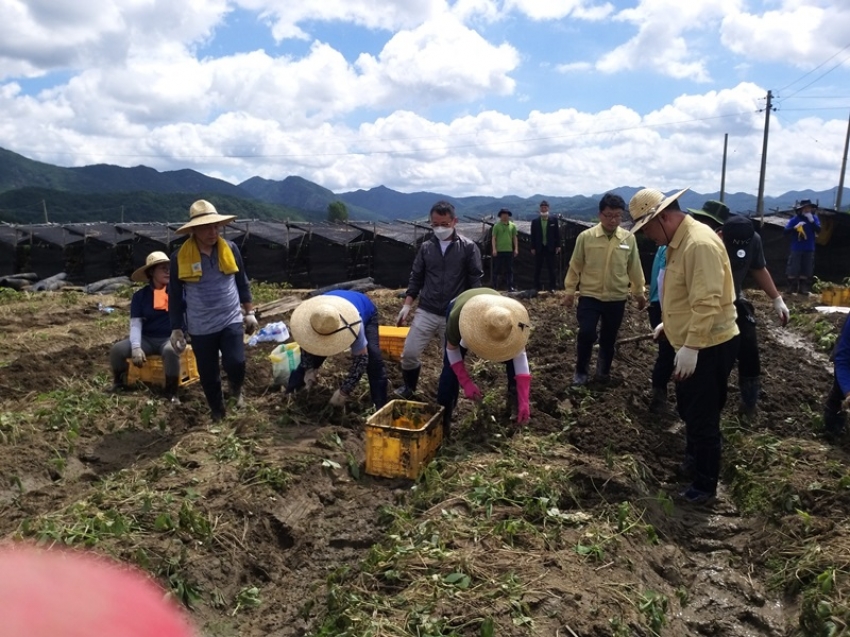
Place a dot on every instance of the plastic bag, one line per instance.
(285, 359)
(277, 332)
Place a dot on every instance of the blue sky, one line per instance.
(462, 97)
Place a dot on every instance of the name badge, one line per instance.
(196, 268)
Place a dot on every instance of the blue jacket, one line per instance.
(658, 264)
(812, 228)
(841, 358)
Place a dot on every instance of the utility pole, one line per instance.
(44, 205)
(760, 202)
(843, 170)
(723, 169)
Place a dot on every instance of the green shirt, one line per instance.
(453, 334)
(504, 234)
(544, 221)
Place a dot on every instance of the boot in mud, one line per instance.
(171, 385)
(119, 383)
(236, 395)
(748, 406)
(658, 402)
(411, 380)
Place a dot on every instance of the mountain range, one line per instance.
(31, 191)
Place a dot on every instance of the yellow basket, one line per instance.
(391, 340)
(152, 371)
(402, 437)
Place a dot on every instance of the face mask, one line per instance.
(443, 234)
(544, 214)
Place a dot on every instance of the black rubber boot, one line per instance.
(119, 382)
(217, 413)
(658, 402)
(749, 387)
(171, 385)
(236, 395)
(805, 287)
(411, 380)
(603, 370)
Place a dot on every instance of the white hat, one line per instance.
(140, 275)
(647, 203)
(203, 213)
(325, 325)
(495, 327)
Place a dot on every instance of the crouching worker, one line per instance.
(329, 324)
(150, 327)
(495, 328)
(838, 400)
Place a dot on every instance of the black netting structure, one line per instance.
(8, 250)
(336, 252)
(49, 249)
(105, 252)
(273, 251)
(394, 247)
(142, 239)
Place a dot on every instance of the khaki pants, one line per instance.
(423, 329)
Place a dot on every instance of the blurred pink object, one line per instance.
(62, 593)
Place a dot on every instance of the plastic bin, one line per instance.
(402, 437)
(285, 359)
(152, 371)
(391, 340)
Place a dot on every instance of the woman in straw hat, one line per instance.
(329, 324)
(150, 327)
(211, 288)
(495, 328)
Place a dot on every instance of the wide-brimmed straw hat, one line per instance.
(325, 325)
(495, 327)
(140, 275)
(647, 203)
(203, 213)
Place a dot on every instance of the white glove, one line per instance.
(250, 322)
(686, 362)
(658, 332)
(800, 224)
(402, 315)
(310, 377)
(138, 356)
(338, 399)
(178, 341)
(809, 217)
(782, 310)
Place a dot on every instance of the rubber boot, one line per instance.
(792, 286)
(749, 387)
(171, 385)
(411, 380)
(217, 413)
(805, 288)
(603, 370)
(658, 402)
(118, 382)
(236, 395)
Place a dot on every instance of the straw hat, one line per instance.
(647, 203)
(203, 213)
(325, 325)
(495, 327)
(154, 258)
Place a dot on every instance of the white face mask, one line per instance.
(443, 234)
(544, 214)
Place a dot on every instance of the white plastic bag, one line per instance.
(285, 359)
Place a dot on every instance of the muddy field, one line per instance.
(265, 524)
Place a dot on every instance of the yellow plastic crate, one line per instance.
(152, 371)
(402, 437)
(839, 296)
(391, 340)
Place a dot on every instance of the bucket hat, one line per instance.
(140, 275)
(325, 325)
(203, 213)
(495, 327)
(647, 203)
(717, 211)
(505, 211)
(803, 203)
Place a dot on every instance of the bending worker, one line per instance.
(330, 323)
(495, 328)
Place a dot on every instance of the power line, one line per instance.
(805, 75)
(825, 73)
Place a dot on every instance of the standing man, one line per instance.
(746, 254)
(662, 370)
(838, 400)
(505, 246)
(605, 260)
(445, 265)
(802, 227)
(545, 245)
(698, 318)
(212, 290)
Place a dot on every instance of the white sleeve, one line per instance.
(521, 363)
(135, 332)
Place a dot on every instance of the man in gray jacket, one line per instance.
(446, 265)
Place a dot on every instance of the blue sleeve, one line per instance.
(815, 223)
(176, 301)
(791, 223)
(842, 358)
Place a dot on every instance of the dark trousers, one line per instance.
(448, 387)
(749, 362)
(376, 372)
(544, 257)
(833, 416)
(229, 342)
(700, 399)
(590, 312)
(503, 265)
(662, 371)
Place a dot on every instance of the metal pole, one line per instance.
(843, 170)
(760, 203)
(723, 169)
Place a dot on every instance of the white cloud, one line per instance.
(558, 9)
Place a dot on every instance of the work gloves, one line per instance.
(470, 389)
(250, 323)
(658, 332)
(801, 229)
(138, 356)
(685, 362)
(523, 391)
(338, 399)
(178, 341)
(310, 378)
(809, 217)
(402, 315)
(782, 310)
